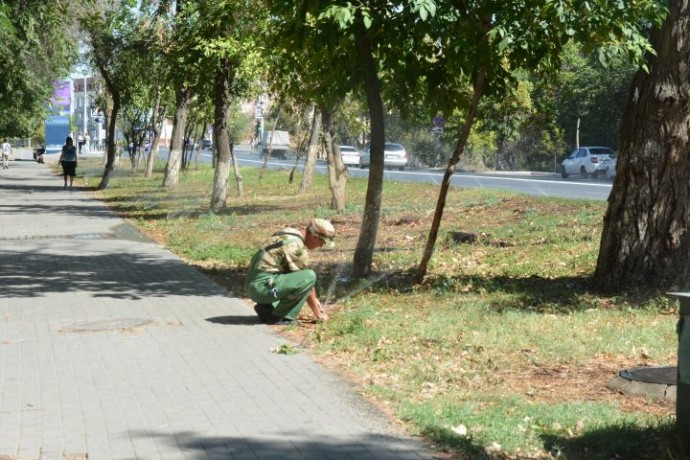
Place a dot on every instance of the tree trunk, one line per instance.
(645, 240)
(199, 144)
(183, 99)
(269, 148)
(157, 118)
(172, 168)
(337, 172)
(236, 169)
(300, 146)
(110, 141)
(187, 145)
(364, 251)
(221, 137)
(445, 183)
(111, 122)
(309, 164)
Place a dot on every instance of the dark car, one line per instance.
(206, 144)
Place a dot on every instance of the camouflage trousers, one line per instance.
(286, 292)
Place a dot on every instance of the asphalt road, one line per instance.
(537, 184)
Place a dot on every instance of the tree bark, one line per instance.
(269, 148)
(337, 172)
(364, 251)
(157, 117)
(310, 162)
(221, 137)
(645, 240)
(183, 99)
(187, 145)
(239, 181)
(110, 142)
(111, 123)
(172, 168)
(478, 90)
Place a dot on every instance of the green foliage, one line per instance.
(594, 94)
(285, 349)
(573, 431)
(36, 49)
(210, 32)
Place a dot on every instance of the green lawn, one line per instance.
(504, 350)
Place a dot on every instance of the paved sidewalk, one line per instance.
(113, 348)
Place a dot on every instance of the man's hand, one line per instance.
(322, 316)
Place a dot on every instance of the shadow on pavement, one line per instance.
(285, 446)
(120, 275)
(235, 320)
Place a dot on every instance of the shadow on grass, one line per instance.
(611, 442)
(539, 294)
(447, 440)
(617, 442)
(335, 283)
(142, 207)
(563, 294)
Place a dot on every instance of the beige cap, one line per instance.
(323, 229)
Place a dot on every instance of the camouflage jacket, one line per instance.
(284, 252)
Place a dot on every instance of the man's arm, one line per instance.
(316, 306)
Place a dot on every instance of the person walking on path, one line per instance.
(68, 160)
(279, 280)
(6, 152)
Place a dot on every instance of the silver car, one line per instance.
(590, 161)
(350, 155)
(394, 156)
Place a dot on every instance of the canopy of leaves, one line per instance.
(208, 32)
(428, 50)
(36, 48)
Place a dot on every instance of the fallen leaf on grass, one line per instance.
(285, 349)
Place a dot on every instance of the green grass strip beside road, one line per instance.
(503, 352)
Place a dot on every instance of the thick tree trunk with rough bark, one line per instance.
(337, 172)
(646, 239)
(364, 251)
(172, 168)
(310, 162)
(221, 137)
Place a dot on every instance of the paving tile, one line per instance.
(77, 378)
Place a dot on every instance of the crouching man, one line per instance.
(279, 278)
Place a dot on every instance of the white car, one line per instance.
(350, 155)
(394, 156)
(590, 161)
